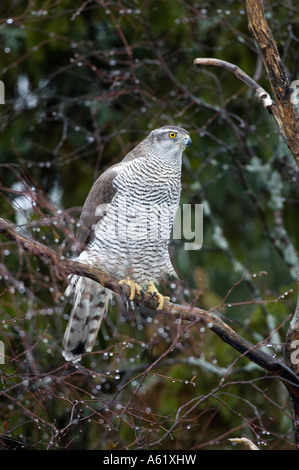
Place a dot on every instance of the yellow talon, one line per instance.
(161, 298)
(134, 288)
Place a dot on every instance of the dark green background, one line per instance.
(85, 82)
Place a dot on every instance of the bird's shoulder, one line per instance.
(102, 192)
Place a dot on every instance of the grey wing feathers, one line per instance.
(101, 193)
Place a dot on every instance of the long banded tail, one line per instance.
(90, 304)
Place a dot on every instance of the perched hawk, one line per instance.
(124, 229)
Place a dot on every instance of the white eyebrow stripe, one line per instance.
(165, 129)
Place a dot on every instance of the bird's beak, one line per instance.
(188, 141)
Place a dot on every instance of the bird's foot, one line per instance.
(152, 289)
(134, 288)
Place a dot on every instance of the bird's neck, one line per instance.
(170, 161)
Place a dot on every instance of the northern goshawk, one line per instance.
(124, 229)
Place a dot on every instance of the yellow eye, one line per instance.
(172, 135)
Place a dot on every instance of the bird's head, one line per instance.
(170, 140)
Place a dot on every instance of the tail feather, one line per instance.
(90, 305)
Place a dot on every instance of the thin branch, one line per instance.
(246, 442)
(261, 94)
(240, 74)
(64, 267)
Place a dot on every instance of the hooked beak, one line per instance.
(188, 141)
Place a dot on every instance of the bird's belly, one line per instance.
(131, 239)
(141, 260)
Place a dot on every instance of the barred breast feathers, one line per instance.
(148, 178)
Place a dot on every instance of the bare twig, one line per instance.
(246, 442)
(261, 94)
(240, 74)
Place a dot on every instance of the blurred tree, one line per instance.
(83, 81)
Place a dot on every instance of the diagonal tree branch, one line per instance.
(276, 73)
(64, 267)
(261, 94)
(282, 108)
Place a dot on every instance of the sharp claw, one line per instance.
(134, 288)
(155, 293)
(142, 295)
